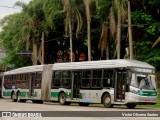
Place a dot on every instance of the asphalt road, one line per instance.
(50, 111)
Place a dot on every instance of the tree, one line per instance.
(87, 4)
(130, 31)
(119, 5)
(106, 14)
(68, 9)
(39, 21)
(10, 34)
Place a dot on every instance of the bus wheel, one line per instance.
(34, 101)
(37, 101)
(19, 98)
(13, 97)
(107, 101)
(131, 105)
(83, 104)
(62, 99)
(40, 101)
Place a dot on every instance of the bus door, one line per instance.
(31, 85)
(76, 84)
(120, 85)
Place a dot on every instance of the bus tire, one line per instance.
(67, 103)
(19, 98)
(34, 101)
(37, 101)
(13, 97)
(131, 105)
(40, 101)
(62, 99)
(83, 104)
(107, 101)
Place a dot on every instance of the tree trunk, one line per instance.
(107, 52)
(87, 5)
(119, 35)
(34, 55)
(70, 35)
(89, 40)
(42, 48)
(130, 31)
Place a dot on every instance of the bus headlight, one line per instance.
(133, 91)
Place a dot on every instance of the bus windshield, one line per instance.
(144, 81)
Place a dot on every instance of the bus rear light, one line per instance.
(147, 101)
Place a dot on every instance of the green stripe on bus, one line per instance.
(81, 95)
(68, 95)
(56, 94)
(24, 94)
(6, 93)
(147, 93)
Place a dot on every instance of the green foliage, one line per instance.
(150, 30)
(104, 9)
(13, 59)
(48, 16)
(151, 56)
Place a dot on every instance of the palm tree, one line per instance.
(130, 31)
(106, 13)
(72, 9)
(88, 15)
(120, 7)
(31, 27)
(38, 22)
(67, 8)
(87, 4)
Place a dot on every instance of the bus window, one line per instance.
(96, 80)
(38, 79)
(56, 79)
(7, 82)
(86, 78)
(66, 77)
(107, 78)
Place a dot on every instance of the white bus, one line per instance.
(108, 82)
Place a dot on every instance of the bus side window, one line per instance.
(107, 78)
(66, 77)
(86, 78)
(96, 80)
(38, 79)
(56, 79)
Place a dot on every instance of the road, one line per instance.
(48, 111)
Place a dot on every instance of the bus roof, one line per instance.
(117, 63)
(27, 69)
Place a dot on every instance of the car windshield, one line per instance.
(144, 81)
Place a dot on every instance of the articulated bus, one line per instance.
(108, 82)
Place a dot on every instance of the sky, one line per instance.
(7, 7)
